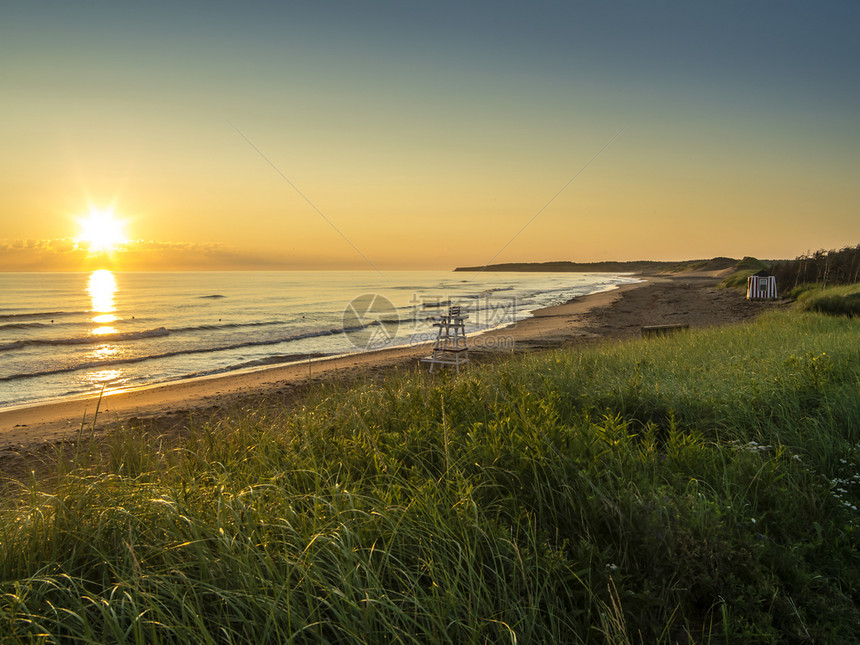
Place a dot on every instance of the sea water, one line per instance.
(64, 334)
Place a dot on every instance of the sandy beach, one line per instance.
(689, 299)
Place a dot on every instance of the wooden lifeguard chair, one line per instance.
(450, 347)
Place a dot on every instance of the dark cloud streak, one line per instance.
(139, 255)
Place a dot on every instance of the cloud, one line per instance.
(68, 254)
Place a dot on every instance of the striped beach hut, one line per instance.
(761, 287)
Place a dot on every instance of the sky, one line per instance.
(399, 135)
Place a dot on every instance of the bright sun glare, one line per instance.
(102, 231)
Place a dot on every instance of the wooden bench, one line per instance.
(662, 330)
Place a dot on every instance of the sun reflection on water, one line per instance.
(104, 352)
(102, 287)
(105, 377)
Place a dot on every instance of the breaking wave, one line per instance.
(41, 314)
(180, 352)
(89, 340)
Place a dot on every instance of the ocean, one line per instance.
(67, 334)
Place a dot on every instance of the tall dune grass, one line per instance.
(702, 487)
(837, 301)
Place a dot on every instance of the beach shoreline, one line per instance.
(56, 343)
(688, 299)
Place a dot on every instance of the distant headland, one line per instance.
(636, 266)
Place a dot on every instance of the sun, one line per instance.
(102, 231)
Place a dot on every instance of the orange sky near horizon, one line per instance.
(427, 138)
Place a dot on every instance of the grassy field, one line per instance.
(702, 487)
(843, 300)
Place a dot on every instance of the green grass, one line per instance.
(751, 263)
(838, 301)
(743, 270)
(701, 487)
(738, 279)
